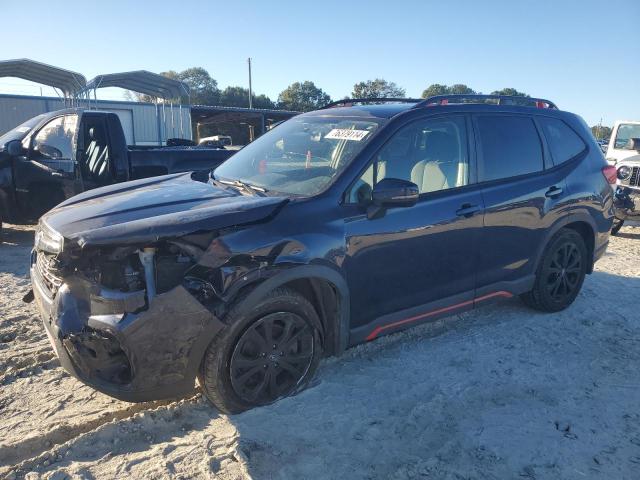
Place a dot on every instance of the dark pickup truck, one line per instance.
(57, 155)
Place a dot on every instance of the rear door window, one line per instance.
(564, 143)
(509, 146)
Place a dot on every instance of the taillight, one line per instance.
(610, 173)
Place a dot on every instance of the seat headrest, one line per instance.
(92, 133)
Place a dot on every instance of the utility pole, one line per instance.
(250, 91)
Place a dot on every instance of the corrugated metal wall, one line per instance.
(139, 120)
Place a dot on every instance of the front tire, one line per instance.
(263, 355)
(560, 274)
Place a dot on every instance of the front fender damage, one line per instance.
(136, 326)
(231, 267)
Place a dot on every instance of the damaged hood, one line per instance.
(154, 208)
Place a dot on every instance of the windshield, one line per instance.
(300, 157)
(21, 131)
(626, 131)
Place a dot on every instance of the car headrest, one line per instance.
(633, 144)
(92, 133)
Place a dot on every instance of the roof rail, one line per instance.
(348, 102)
(501, 100)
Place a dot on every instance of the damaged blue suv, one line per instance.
(336, 227)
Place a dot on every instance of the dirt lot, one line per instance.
(501, 392)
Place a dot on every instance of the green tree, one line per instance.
(601, 132)
(439, 89)
(239, 97)
(510, 91)
(377, 88)
(262, 101)
(435, 89)
(461, 89)
(203, 89)
(302, 97)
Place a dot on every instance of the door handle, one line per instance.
(467, 210)
(553, 192)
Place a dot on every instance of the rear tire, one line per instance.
(262, 355)
(560, 274)
(617, 225)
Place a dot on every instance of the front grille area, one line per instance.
(634, 180)
(45, 266)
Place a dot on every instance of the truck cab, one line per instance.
(57, 155)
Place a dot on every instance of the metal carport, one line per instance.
(71, 84)
(147, 83)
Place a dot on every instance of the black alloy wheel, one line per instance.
(560, 273)
(265, 352)
(271, 358)
(564, 272)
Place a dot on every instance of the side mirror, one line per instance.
(14, 148)
(394, 192)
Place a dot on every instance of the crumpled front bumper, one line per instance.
(151, 354)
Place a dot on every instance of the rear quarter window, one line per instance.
(509, 146)
(564, 143)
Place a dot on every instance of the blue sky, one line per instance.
(584, 55)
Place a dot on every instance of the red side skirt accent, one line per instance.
(376, 331)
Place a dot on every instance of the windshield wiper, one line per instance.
(252, 189)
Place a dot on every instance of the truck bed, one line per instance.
(151, 162)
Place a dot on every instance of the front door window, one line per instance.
(54, 144)
(431, 153)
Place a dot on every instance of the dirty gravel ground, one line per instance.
(501, 392)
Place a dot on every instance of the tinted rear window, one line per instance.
(510, 146)
(563, 142)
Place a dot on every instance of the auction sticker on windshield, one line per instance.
(346, 134)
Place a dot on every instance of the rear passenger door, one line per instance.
(523, 197)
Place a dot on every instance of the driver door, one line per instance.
(413, 263)
(47, 175)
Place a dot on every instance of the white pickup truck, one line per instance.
(624, 153)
